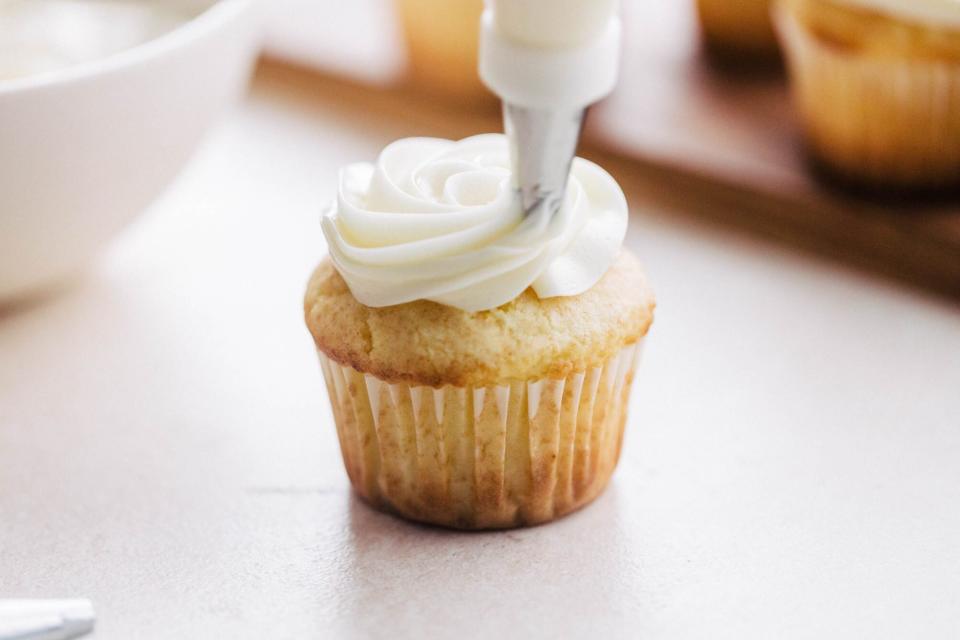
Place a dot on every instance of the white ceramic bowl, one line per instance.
(86, 149)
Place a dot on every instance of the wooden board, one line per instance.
(676, 113)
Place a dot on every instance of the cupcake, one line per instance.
(877, 84)
(739, 29)
(478, 363)
(442, 39)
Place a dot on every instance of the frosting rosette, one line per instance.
(440, 220)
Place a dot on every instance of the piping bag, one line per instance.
(548, 60)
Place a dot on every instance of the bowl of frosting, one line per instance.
(101, 104)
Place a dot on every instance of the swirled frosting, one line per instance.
(440, 220)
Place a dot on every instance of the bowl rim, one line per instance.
(207, 20)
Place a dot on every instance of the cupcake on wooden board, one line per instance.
(479, 363)
(877, 83)
(739, 29)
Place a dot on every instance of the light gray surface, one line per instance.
(791, 469)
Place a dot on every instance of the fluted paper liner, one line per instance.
(484, 457)
(882, 120)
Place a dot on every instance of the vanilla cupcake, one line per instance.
(478, 363)
(442, 38)
(877, 84)
(738, 28)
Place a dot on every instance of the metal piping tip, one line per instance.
(45, 619)
(543, 143)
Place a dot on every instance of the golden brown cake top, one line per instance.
(426, 343)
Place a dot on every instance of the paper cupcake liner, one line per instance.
(482, 457)
(878, 120)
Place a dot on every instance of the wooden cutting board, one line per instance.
(732, 137)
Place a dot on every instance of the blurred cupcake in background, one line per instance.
(877, 84)
(738, 29)
(442, 39)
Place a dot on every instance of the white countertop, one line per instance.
(791, 466)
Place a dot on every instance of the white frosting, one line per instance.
(553, 23)
(440, 220)
(932, 12)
